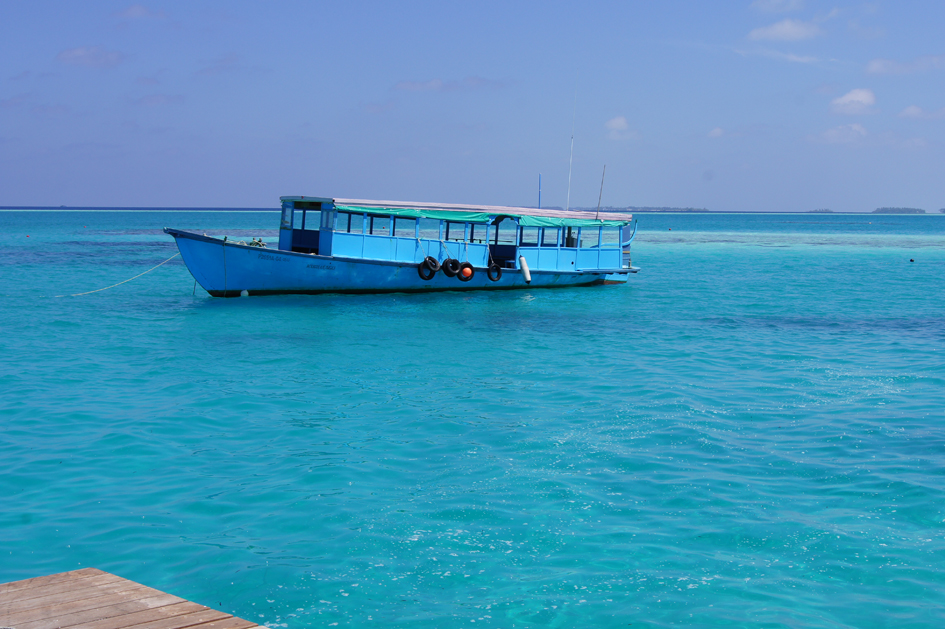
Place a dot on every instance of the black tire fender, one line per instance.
(450, 267)
(431, 263)
(426, 273)
(462, 268)
(494, 272)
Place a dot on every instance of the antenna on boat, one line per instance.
(539, 191)
(571, 157)
(601, 191)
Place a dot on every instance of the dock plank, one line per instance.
(94, 599)
(160, 618)
(103, 604)
(123, 590)
(230, 623)
(52, 578)
(56, 587)
(105, 616)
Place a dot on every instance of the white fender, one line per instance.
(523, 265)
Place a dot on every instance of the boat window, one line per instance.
(308, 215)
(610, 236)
(590, 236)
(342, 222)
(549, 237)
(472, 232)
(357, 224)
(430, 228)
(306, 219)
(508, 232)
(287, 216)
(405, 227)
(529, 237)
(379, 225)
(311, 219)
(570, 237)
(455, 231)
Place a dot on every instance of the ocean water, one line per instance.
(751, 433)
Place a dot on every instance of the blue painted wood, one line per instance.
(285, 225)
(345, 252)
(226, 269)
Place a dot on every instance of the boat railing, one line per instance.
(383, 237)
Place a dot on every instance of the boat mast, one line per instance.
(571, 157)
(601, 191)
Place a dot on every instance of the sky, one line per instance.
(765, 105)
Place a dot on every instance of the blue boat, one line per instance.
(359, 246)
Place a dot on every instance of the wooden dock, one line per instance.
(93, 599)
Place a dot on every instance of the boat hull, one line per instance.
(226, 269)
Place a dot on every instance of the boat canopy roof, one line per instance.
(527, 216)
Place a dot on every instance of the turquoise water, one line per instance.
(748, 434)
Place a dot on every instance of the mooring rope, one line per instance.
(422, 250)
(447, 249)
(125, 282)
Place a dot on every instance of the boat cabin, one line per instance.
(552, 240)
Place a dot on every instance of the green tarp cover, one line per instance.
(550, 221)
(440, 215)
(480, 217)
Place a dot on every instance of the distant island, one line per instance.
(823, 211)
(898, 210)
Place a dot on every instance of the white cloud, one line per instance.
(439, 85)
(921, 64)
(884, 66)
(797, 58)
(776, 54)
(716, 132)
(844, 134)
(138, 12)
(786, 30)
(619, 129)
(617, 124)
(90, 56)
(777, 6)
(854, 102)
(866, 32)
(914, 111)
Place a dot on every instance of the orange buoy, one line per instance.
(467, 271)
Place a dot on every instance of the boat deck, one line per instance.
(94, 599)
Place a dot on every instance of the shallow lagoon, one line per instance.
(749, 433)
